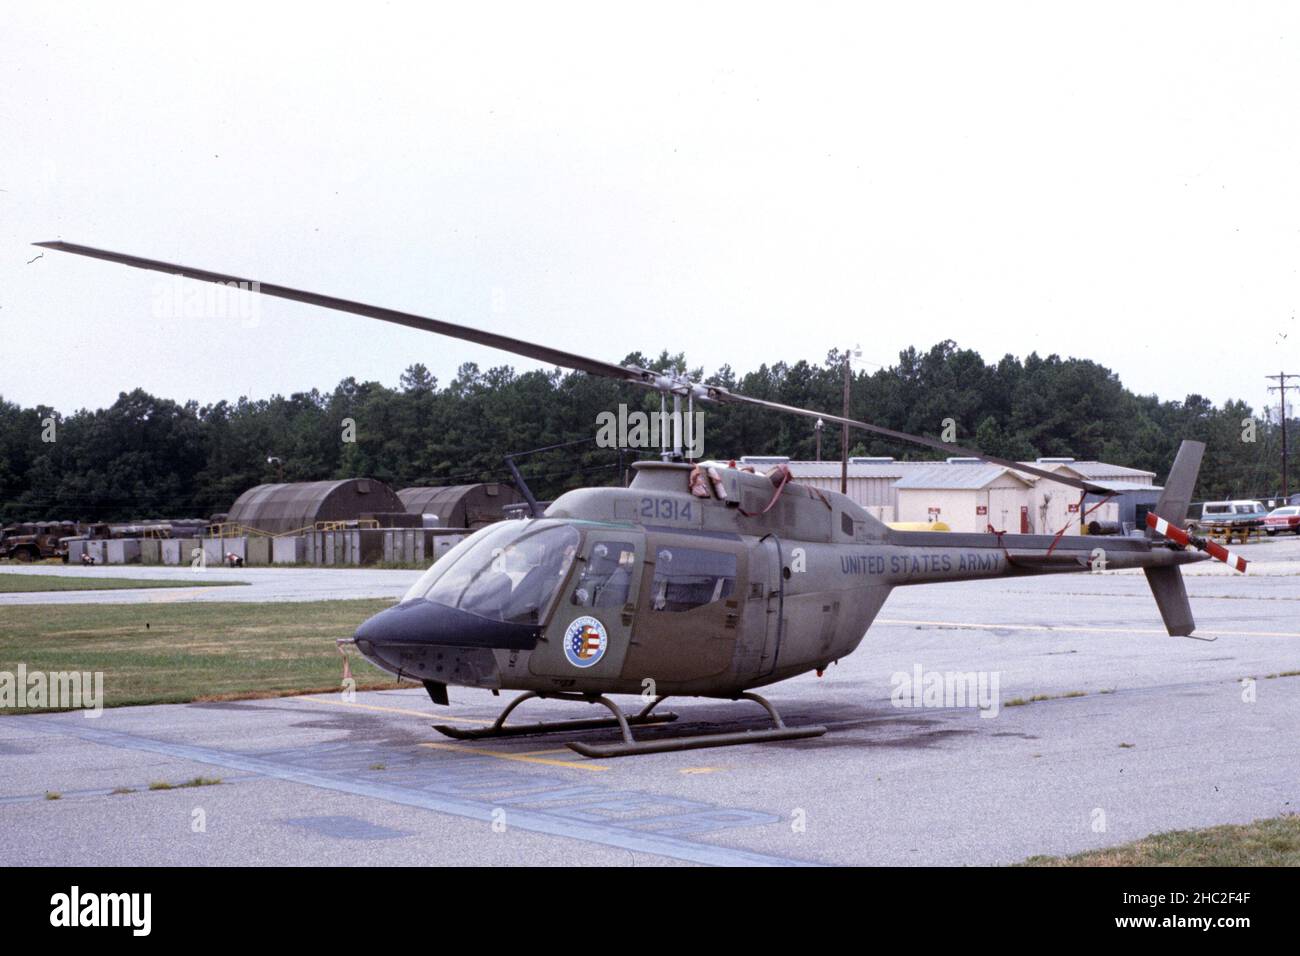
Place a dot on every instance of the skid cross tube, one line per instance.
(619, 720)
(631, 747)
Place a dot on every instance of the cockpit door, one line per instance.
(688, 616)
(591, 627)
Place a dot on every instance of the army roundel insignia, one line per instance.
(585, 642)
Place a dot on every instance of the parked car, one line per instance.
(1232, 516)
(1286, 518)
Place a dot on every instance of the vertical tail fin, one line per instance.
(1177, 495)
(1167, 582)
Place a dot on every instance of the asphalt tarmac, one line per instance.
(1162, 733)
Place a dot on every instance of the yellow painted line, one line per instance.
(1082, 628)
(522, 758)
(393, 710)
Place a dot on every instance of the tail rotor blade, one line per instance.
(1232, 560)
(1176, 534)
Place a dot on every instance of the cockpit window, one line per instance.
(506, 572)
(606, 579)
(441, 566)
(687, 578)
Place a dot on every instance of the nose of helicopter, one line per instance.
(424, 623)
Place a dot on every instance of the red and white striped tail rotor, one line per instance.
(1176, 534)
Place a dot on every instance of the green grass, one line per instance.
(1025, 701)
(10, 583)
(195, 782)
(174, 653)
(1269, 842)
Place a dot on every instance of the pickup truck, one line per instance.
(1243, 516)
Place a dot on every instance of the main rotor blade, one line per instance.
(724, 395)
(541, 353)
(530, 350)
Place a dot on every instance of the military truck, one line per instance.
(35, 540)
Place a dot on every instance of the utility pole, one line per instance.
(1281, 388)
(818, 429)
(844, 429)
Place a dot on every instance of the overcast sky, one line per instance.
(1113, 181)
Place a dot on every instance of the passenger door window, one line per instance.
(687, 578)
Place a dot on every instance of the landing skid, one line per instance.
(498, 728)
(630, 745)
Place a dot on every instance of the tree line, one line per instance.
(151, 457)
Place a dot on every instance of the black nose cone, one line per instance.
(425, 623)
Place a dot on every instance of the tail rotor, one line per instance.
(1188, 540)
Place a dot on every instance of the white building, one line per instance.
(966, 497)
(967, 494)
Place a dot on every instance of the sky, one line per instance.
(745, 183)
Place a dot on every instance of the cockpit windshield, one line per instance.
(506, 572)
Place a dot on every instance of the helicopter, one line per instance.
(700, 578)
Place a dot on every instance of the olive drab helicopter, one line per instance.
(699, 578)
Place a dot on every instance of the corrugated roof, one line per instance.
(945, 476)
(1094, 470)
(1088, 470)
(1129, 486)
(460, 506)
(288, 507)
(831, 469)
